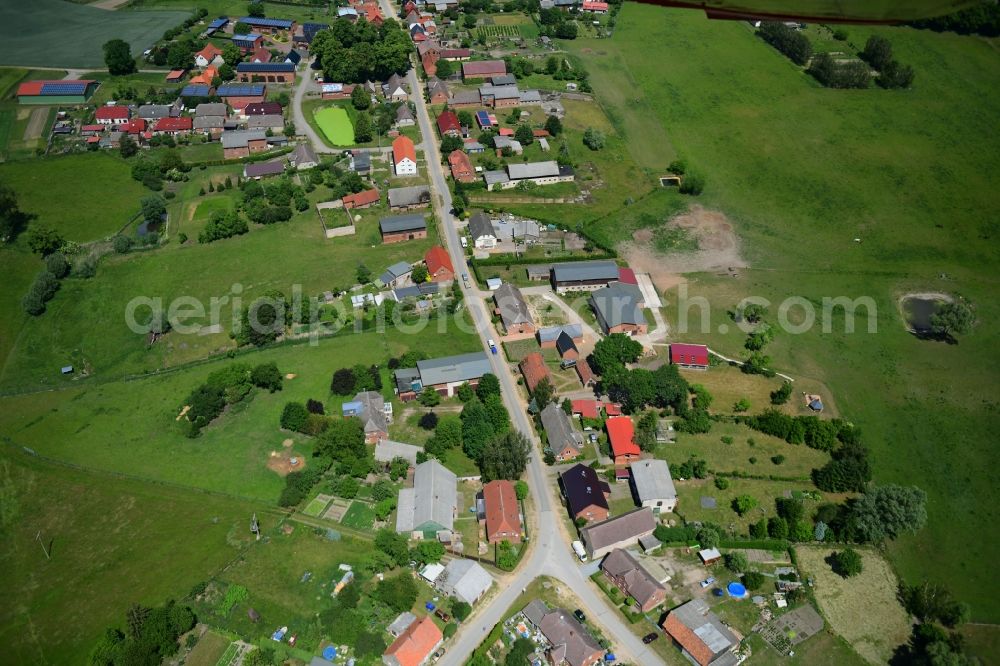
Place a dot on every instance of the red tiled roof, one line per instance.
(206, 77)
(260, 54)
(627, 275)
(484, 68)
(502, 514)
(688, 639)
(173, 124)
(620, 433)
(456, 53)
(448, 121)
(592, 5)
(437, 258)
(175, 75)
(35, 87)
(505, 131)
(430, 63)
(263, 109)
(589, 409)
(416, 643)
(402, 147)
(612, 409)
(362, 198)
(93, 139)
(534, 370)
(111, 112)
(92, 128)
(539, 133)
(135, 126)
(682, 354)
(209, 52)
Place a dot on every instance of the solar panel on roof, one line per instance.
(268, 22)
(195, 91)
(218, 23)
(483, 118)
(68, 88)
(241, 90)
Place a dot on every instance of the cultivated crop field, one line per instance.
(74, 34)
(802, 175)
(498, 31)
(863, 609)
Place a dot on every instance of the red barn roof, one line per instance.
(534, 370)
(135, 126)
(612, 409)
(502, 513)
(627, 275)
(35, 87)
(173, 124)
(589, 409)
(448, 122)
(682, 354)
(362, 198)
(621, 432)
(92, 128)
(593, 6)
(436, 259)
(111, 113)
(484, 68)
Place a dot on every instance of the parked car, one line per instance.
(708, 581)
(650, 637)
(444, 616)
(578, 614)
(437, 655)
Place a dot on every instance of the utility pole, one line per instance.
(38, 538)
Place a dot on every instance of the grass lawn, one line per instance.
(360, 516)
(864, 608)
(131, 426)
(336, 125)
(75, 33)
(113, 542)
(799, 460)
(690, 492)
(834, 166)
(315, 507)
(84, 197)
(459, 463)
(824, 649)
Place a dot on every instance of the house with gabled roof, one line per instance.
(439, 266)
(465, 580)
(404, 156)
(619, 532)
(481, 230)
(564, 441)
(398, 228)
(586, 494)
(461, 167)
(415, 645)
(618, 308)
(702, 637)
(633, 580)
(621, 435)
(501, 512)
(534, 370)
(513, 310)
(569, 642)
(373, 411)
(653, 486)
(430, 506)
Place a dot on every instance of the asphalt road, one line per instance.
(550, 553)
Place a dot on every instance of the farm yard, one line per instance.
(74, 34)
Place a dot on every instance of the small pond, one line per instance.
(918, 310)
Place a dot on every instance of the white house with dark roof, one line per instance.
(481, 230)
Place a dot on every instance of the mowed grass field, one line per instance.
(112, 542)
(74, 34)
(132, 426)
(336, 125)
(864, 608)
(802, 171)
(84, 197)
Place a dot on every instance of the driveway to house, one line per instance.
(549, 551)
(302, 126)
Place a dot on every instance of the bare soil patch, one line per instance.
(284, 462)
(862, 609)
(290, 375)
(36, 124)
(288, 443)
(718, 248)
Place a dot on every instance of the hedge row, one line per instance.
(259, 157)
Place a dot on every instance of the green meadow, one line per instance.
(336, 125)
(801, 171)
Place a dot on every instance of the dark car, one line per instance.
(579, 615)
(444, 616)
(649, 638)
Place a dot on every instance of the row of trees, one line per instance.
(149, 638)
(878, 54)
(786, 39)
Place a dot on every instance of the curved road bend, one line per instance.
(550, 553)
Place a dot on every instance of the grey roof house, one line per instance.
(157, 111)
(653, 486)
(416, 196)
(618, 307)
(404, 117)
(303, 157)
(430, 505)
(513, 309)
(402, 223)
(270, 122)
(703, 638)
(454, 369)
(241, 139)
(564, 441)
(569, 641)
(583, 275)
(633, 580)
(396, 274)
(481, 230)
(369, 407)
(211, 109)
(619, 532)
(465, 580)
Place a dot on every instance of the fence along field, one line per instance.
(60, 34)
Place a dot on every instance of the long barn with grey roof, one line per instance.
(430, 505)
(583, 275)
(402, 227)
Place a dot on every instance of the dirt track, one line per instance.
(718, 248)
(36, 124)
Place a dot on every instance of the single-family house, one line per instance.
(586, 494)
(304, 157)
(430, 505)
(633, 580)
(702, 637)
(173, 126)
(501, 516)
(583, 275)
(415, 645)
(398, 228)
(534, 370)
(465, 580)
(243, 143)
(443, 375)
(569, 642)
(396, 275)
(549, 335)
(275, 123)
(437, 91)
(263, 109)
(456, 55)
(153, 112)
(462, 170)
(404, 117)
(260, 54)
(513, 310)
(481, 231)
(448, 124)
(618, 308)
(652, 485)
(618, 532)
(621, 435)
(394, 89)
(361, 163)
(404, 156)
(113, 114)
(565, 442)
(210, 55)
(409, 198)
(373, 411)
(694, 357)
(594, 7)
(439, 266)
